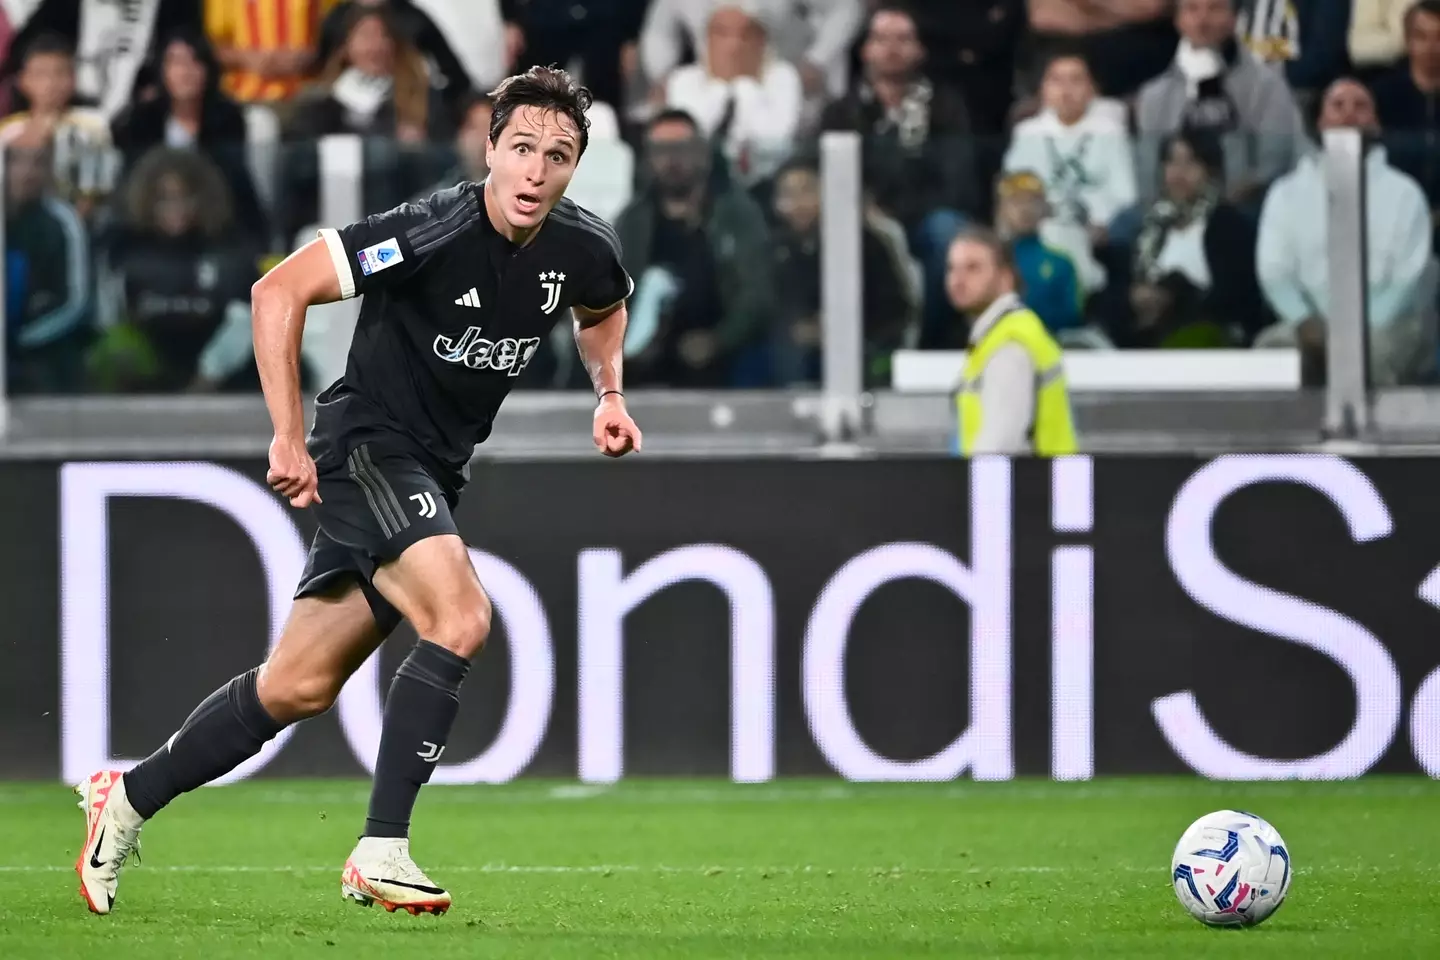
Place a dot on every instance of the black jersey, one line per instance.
(453, 313)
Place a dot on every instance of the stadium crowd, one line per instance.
(1153, 164)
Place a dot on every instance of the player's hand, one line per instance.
(292, 472)
(615, 433)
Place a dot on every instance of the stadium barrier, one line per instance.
(1246, 617)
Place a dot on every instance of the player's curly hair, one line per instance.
(548, 88)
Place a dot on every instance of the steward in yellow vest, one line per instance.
(1012, 398)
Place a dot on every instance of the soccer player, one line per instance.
(460, 289)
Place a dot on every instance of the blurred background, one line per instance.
(1223, 210)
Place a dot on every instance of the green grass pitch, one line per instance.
(662, 868)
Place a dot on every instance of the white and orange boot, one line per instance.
(380, 871)
(112, 834)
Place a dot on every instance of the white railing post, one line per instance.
(842, 302)
(1347, 394)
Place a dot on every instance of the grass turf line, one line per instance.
(793, 869)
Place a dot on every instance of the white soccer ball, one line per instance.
(1231, 868)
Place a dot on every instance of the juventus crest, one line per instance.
(551, 281)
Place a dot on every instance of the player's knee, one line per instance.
(464, 629)
(290, 698)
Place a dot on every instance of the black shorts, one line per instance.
(373, 506)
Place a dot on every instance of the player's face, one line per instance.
(531, 164)
(973, 277)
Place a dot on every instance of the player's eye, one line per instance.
(522, 148)
(558, 157)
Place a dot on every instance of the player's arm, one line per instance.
(600, 338)
(381, 250)
(278, 302)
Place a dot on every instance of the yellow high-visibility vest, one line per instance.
(1052, 434)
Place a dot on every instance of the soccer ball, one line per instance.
(1231, 869)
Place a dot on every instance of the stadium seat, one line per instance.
(604, 122)
(605, 179)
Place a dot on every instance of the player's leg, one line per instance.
(327, 637)
(434, 586)
(424, 571)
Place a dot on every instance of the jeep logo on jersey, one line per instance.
(507, 355)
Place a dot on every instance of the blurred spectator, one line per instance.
(814, 35)
(376, 84)
(10, 23)
(1216, 84)
(699, 249)
(1127, 42)
(190, 112)
(1407, 101)
(744, 98)
(1191, 280)
(1294, 260)
(1080, 149)
(891, 301)
(972, 48)
(1305, 37)
(443, 67)
(79, 136)
(1048, 276)
(918, 150)
(48, 285)
(470, 141)
(266, 46)
(377, 87)
(1377, 33)
(186, 285)
(600, 34)
(111, 40)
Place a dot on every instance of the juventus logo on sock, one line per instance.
(431, 753)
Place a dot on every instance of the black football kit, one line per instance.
(453, 313)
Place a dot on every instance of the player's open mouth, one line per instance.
(527, 202)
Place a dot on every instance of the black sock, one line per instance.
(227, 729)
(419, 712)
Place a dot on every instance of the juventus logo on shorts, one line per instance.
(552, 289)
(431, 753)
(427, 504)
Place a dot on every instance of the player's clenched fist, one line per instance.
(292, 472)
(615, 433)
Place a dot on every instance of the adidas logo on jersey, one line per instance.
(471, 299)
